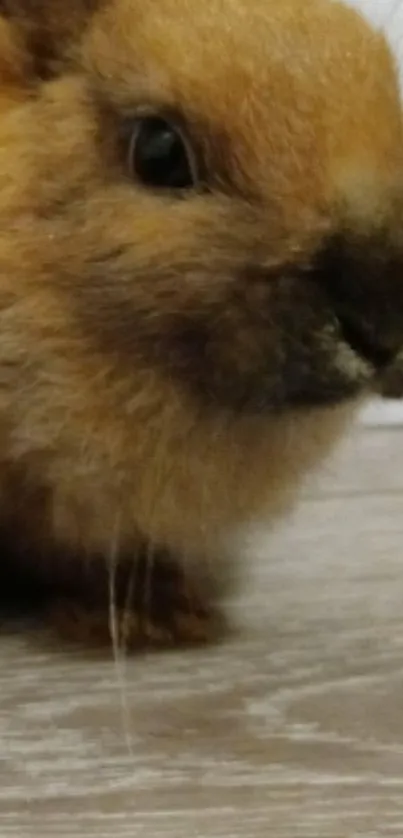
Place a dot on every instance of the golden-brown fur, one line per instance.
(169, 368)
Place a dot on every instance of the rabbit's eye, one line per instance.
(160, 156)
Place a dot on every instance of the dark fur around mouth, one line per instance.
(362, 278)
(261, 340)
(362, 345)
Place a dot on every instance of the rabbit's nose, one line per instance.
(362, 277)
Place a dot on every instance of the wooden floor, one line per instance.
(291, 729)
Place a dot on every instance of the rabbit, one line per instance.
(200, 282)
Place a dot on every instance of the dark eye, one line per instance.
(160, 155)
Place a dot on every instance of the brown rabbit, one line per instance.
(200, 277)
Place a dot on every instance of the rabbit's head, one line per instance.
(201, 258)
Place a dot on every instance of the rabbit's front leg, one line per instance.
(150, 602)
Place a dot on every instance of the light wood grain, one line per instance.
(291, 729)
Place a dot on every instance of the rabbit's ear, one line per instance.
(49, 27)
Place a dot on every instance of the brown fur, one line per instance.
(49, 28)
(169, 369)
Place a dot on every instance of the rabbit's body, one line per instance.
(172, 361)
